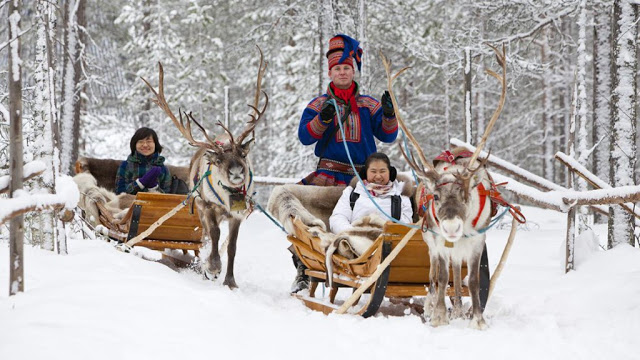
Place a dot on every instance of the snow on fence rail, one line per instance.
(555, 197)
(29, 171)
(66, 197)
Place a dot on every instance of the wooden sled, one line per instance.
(182, 231)
(406, 277)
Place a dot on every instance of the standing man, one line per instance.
(362, 117)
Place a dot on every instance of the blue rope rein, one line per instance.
(479, 231)
(346, 148)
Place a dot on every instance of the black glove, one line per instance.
(387, 105)
(327, 112)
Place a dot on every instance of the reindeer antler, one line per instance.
(257, 114)
(423, 159)
(185, 131)
(501, 58)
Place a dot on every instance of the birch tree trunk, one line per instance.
(16, 225)
(581, 113)
(601, 93)
(43, 124)
(468, 119)
(571, 215)
(362, 38)
(547, 109)
(71, 99)
(623, 124)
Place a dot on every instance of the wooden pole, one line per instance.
(374, 277)
(155, 225)
(503, 258)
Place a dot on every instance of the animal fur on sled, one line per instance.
(313, 206)
(92, 194)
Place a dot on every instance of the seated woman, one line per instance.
(379, 179)
(144, 169)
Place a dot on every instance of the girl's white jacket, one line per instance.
(343, 216)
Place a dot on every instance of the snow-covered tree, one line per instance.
(623, 121)
(602, 89)
(16, 226)
(72, 85)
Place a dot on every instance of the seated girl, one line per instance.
(144, 169)
(379, 179)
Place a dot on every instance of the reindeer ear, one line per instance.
(246, 147)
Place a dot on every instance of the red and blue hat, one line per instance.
(342, 50)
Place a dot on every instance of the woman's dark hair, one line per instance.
(143, 133)
(381, 157)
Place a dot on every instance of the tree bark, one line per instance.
(469, 133)
(16, 226)
(623, 124)
(601, 92)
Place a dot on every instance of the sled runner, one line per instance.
(406, 277)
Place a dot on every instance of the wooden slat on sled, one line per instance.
(406, 277)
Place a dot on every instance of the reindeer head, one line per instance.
(451, 186)
(229, 162)
(224, 155)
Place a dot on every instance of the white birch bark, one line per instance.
(69, 96)
(602, 91)
(581, 137)
(547, 110)
(623, 126)
(43, 125)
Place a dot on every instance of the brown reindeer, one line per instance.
(452, 196)
(222, 171)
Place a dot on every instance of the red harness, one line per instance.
(494, 197)
(426, 198)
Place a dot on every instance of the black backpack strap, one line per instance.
(396, 207)
(353, 198)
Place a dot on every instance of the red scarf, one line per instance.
(347, 95)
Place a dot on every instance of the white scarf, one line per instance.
(377, 189)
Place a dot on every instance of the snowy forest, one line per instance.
(70, 70)
(563, 151)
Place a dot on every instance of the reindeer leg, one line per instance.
(430, 300)
(457, 285)
(440, 312)
(211, 267)
(477, 321)
(234, 227)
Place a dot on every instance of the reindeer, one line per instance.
(451, 195)
(222, 171)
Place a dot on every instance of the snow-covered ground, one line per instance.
(99, 303)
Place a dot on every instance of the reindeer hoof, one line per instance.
(457, 312)
(439, 319)
(478, 323)
(231, 283)
(209, 274)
